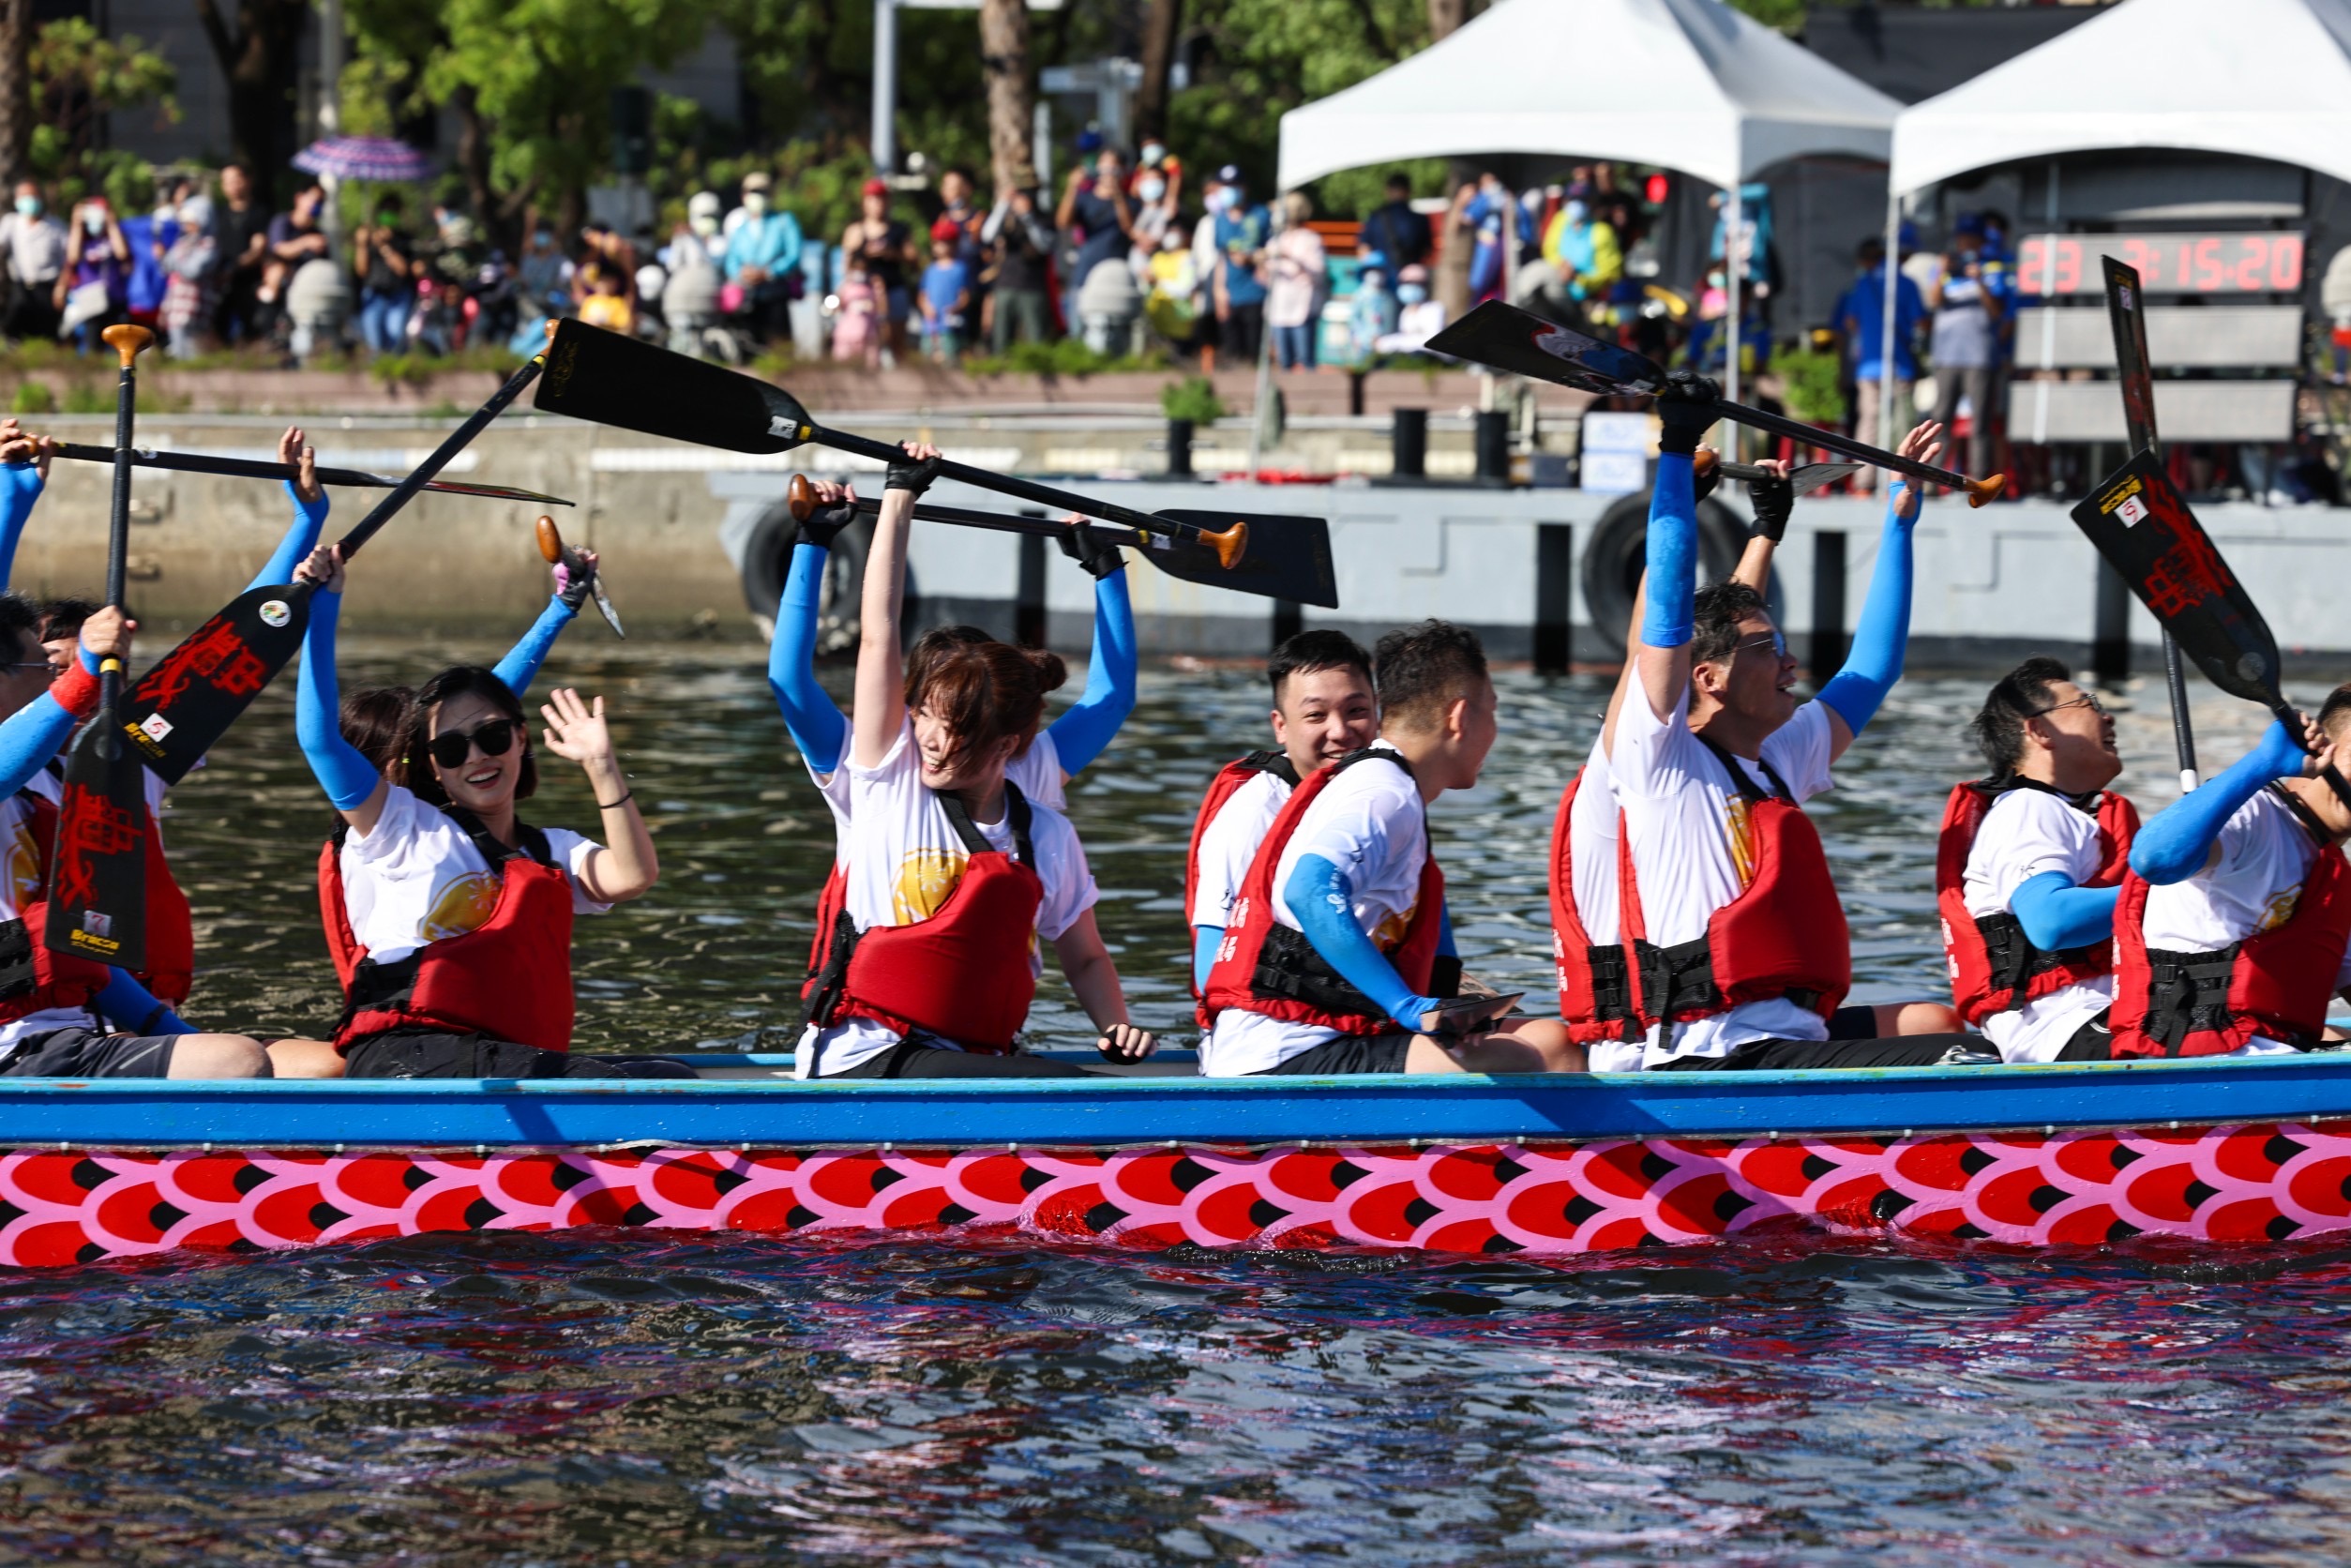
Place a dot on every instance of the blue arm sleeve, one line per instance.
(32, 736)
(521, 666)
(1321, 898)
(1673, 555)
(1205, 941)
(131, 1007)
(2173, 844)
(2056, 915)
(20, 487)
(816, 725)
(347, 776)
(1874, 664)
(1082, 734)
(309, 517)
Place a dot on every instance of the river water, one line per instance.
(636, 1397)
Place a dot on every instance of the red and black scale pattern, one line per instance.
(2223, 1184)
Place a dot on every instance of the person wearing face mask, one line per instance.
(384, 267)
(763, 259)
(1020, 244)
(34, 247)
(190, 263)
(954, 879)
(1095, 211)
(449, 919)
(93, 289)
(1241, 231)
(1419, 318)
(1158, 175)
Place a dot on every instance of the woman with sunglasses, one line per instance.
(450, 918)
(954, 879)
(2028, 867)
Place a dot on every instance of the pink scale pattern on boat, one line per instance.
(2242, 1185)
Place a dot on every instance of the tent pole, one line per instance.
(1885, 435)
(1733, 266)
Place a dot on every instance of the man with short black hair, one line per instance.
(1395, 230)
(2026, 869)
(1338, 943)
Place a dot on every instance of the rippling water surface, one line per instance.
(640, 1398)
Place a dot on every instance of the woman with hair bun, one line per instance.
(955, 878)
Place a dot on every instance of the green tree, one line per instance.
(78, 75)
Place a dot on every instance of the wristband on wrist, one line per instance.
(626, 795)
(76, 690)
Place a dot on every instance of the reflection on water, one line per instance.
(634, 1398)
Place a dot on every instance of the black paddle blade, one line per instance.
(2126, 309)
(1288, 558)
(97, 897)
(1523, 343)
(607, 379)
(183, 706)
(2142, 526)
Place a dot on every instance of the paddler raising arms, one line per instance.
(449, 919)
(1331, 962)
(2231, 924)
(1744, 954)
(2027, 867)
(953, 875)
(1324, 708)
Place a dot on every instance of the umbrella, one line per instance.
(363, 158)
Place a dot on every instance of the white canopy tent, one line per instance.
(1688, 85)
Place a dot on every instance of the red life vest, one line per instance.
(509, 978)
(1266, 966)
(1994, 966)
(831, 904)
(1227, 782)
(1784, 935)
(2275, 983)
(33, 979)
(1596, 980)
(964, 972)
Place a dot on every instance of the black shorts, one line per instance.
(1346, 1055)
(1853, 1023)
(403, 1053)
(85, 1053)
(1903, 1050)
(2092, 1042)
(916, 1058)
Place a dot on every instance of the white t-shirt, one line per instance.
(1229, 845)
(904, 860)
(1692, 852)
(1037, 773)
(1370, 822)
(2265, 857)
(416, 877)
(2027, 833)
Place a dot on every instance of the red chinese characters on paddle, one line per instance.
(2191, 571)
(219, 654)
(93, 827)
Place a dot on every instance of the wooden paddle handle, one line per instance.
(1981, 491)
(129, 341)
(1229, 546)
(800, 497)
(550, 541)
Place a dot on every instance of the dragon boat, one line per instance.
(2222, 1151)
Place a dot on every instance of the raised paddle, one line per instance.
(1290, 558)
(97, 882)
(187, 703)
(607, 378)
(1525, 344)
(1806, 478)
(248, 468)
(2145, 530)
(2126, 312)
(552, 548)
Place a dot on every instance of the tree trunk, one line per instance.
(1011, 91)
(259, 62)
(16, 27)
(473, 160)
(1161, 24)
(1444, 16)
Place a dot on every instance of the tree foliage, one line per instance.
(78, 76)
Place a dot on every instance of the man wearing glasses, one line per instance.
(2027, 869)
(1740, 954)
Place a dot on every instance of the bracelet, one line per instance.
(625, 796)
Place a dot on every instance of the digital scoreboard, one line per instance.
(2167, 263)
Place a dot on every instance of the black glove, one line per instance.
(1091, 550)
(1775, 502)
(823, 525)
(574, 580)
(1686, 405)
(910, 474)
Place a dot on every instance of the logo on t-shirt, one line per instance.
(927, 878)
(460, 905)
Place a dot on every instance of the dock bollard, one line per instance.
(1179, 449)
(1408, 444)
(1494, 446)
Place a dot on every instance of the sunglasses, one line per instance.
(1777, 643)
(43, 665)
(495, 739)
(2083, 700)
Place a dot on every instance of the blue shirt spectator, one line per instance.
(1861, 317)
(770, 241)
(1241, 234)
(946, 283)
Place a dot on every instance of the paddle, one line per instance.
(2126, 313)
(1290, 558)
(552, 548)
(2145, 530)
(98, 884)
(248, 468)
(607, 378)
(1523, 344)
(1804, 477)
(187, 701)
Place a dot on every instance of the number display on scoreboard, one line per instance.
(2167, 263)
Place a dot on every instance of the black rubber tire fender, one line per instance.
(767, 560)
(1614, 560)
